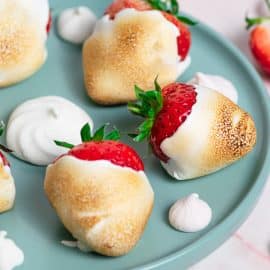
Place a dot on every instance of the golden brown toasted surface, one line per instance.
(130, 52)
(3, 174)
(105, 208)
(4, 205)
(22, 49)
(233, 135)
(215, 134)
(7, 190)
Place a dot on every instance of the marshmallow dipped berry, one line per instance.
(24, 27)
(131, 43)
(193, 130)
(100, 192)
(7, 185)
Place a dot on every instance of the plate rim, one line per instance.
(233, 220)
(248, 202)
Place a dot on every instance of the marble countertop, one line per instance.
(249, 247)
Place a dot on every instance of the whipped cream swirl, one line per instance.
(35, 124)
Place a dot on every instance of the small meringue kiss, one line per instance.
(190, 214)
(76, 24)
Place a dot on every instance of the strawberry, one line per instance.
(259, 41)
(4, 160)
(2, 147)
(119, 5)
(184, 39)
(168, 10)
(260, 46)
(101, 147)
(165, 111)
(49, 23)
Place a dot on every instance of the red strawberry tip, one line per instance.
(114, 151)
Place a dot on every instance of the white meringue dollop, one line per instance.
(76, 24)
(218, 83)
(190, 214)
(10, 255)
(35, 125)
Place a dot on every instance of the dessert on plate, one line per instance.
(193, 130)
(7, 186)
(76, 24)
(190, 214)
(216, 82)
(24, 27)
(100, 192)
(35, 123)
(130, 45)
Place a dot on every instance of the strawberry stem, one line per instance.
(171, 7)
(64, 144)
(113, 136)
(86, 133)
(255, 21)
(148, 105)
(99, 135)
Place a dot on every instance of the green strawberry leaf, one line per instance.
(113, 136)
(86, 133)
(134, 108)
(148, 105)
(174, 6)
(133, 135)
(171, 7)
(64, 144)
(157, 4)
(255, 21)
(99, 134)
(2, 127)
(186, 20)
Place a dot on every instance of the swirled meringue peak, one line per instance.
(35, 124)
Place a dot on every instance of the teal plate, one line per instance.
(231, 192)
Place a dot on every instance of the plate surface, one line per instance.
(231, 192)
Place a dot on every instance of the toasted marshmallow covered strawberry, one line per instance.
(100, 192)
(193, 130)
(24, 26)
(132, 43)
(7, 186)
(169, 11)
